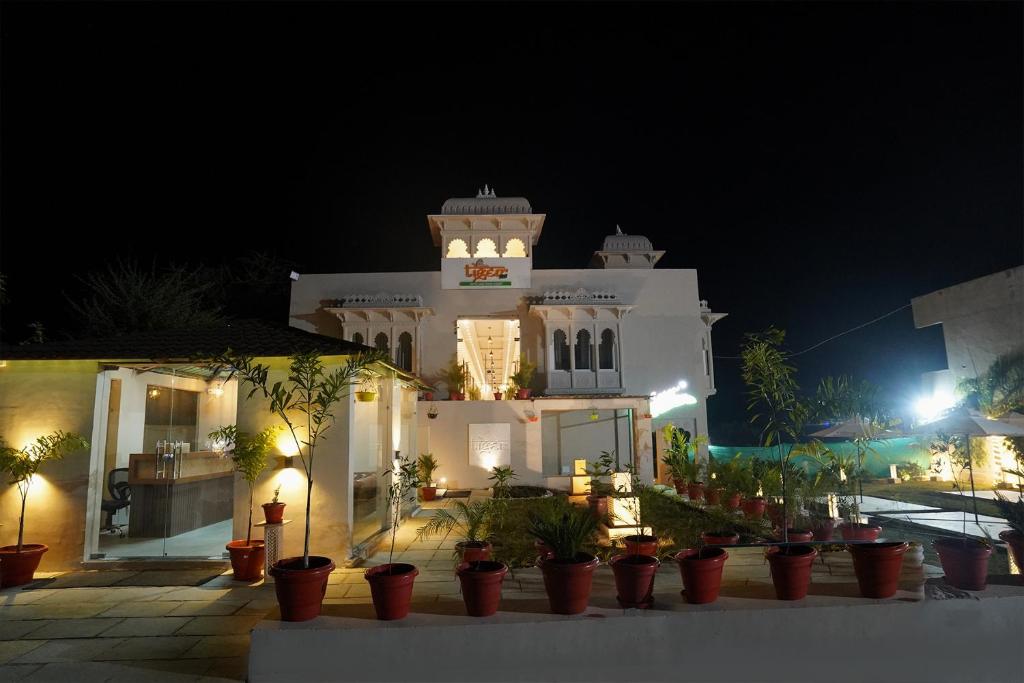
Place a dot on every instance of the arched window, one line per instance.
(486, 247)
(514, 248)
(606, 351)
(561, 348)
(357, 338)
(380, 342)
(404, 357)
(583, 350)
(457, 249)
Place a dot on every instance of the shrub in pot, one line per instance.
(878, 567)
(600, 490)
(273, 512)
(502, 476)
(678, 449)
(481, 586)
(797, 535)
(701, 571)
(312, 392)
(456, 376)
(1014, 514)
(427, 465)
(719, 537)
(823, 528)
(791, 570)
(249, 457)
(568, 575)
(964, 561)
(714, 495)
(753, 508)
(19, 562)
(522, 377)
(470, 522)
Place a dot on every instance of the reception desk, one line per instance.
(199, 494)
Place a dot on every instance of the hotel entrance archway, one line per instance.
(489, 348)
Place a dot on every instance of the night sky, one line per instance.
(818, 164)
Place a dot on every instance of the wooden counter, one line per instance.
(201, 494)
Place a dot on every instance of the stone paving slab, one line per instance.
(154, 608)
(136, 627)
(71, 650)
(196, 608)
(219, 626)
(17, 672)
(13, 649)
(73, 628)
(13, 630)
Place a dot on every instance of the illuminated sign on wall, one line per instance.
(480, 274)
(490, 444)
(485, 273)
(664, 401)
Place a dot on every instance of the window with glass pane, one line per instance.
(606, 351)
(404, 357)
(584, 349)
(561, 349)
(380, 342)
(171, 415)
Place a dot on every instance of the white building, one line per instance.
(604, 339)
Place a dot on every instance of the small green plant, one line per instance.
(1013, 511)
(522, 377)
(277, 492)
(502, 476)
(678, 451)
(22, 464)
(603, 467)
(909, 470)
(566, 534)
(471, 521)
(249, 457)
(404, 479)
(427, 465)
(474, 393)
(455, 375)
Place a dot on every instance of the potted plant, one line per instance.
(312, 392)
(634, 570)
(19, 562)
(502, 476)
(522, 377)
(568, 575)
(686, 475)
(878, 567)
(813, 495)
(273, 512)
(391, 584)
(964, 560)
(701, 572)
(715, 490)
(427, 465)
(791, 570)
(1014, 514)
(367, 391)
(249, 456)
(844, 473)
(600, 490)
(498, 395)
(455, 375)
(732, 475)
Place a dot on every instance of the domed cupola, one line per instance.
(626, 251)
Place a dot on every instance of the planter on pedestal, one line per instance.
(428, 492)
(598, 507)
(273, 512)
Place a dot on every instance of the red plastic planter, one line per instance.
(823, 530)
(391, 589)
(1015, 540)
(753, 508)
(702, 573)
(965, 562)
(680, 486)
(568, 582)
(641, 545)
(473, 551)
(456, 396)
(695, 491)
(859, 532)
(246, 559)
(543, 551)
(733, 501)
(714, 495)
(720, 537)
(598, 507)
(481, 586)
(300, 591)
(522, 394)
(17, 569)
(428, 492)
(797, 535)
(273, 512)
(791, 570)
(634, 579)
(878, 567)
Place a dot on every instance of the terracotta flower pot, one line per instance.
(680, 486)
(543, 551)
(246, 559)
(497, 395)
(1015, 541)
(17, 569)
(598, 507)
(567, 582)
(473, 551)
(481, 586)
(522, 394)
(878, 567)
(720, 537)
(965, 562)
(428, 492)
(714, 495)
(273, 512)
(391, 589)
(797, 535)
(634, 579)
(300, 591)
(775, 515)
(753, 508)
(456, 396)
(859, 532)
(701, 571)
(823, 529)
(733, 502)
(695, 491)
(791, 570)
(641, 545)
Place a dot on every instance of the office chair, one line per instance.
(120, 498)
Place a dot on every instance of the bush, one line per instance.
(680, 524)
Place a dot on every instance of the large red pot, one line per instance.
(428, 492)
(246, 559)
(300, 592)
(791, 570)
(753, 508)
(497, 395)
(733, 501)
(680, 486)
(695, 491)
(481, 586)
(391, 589)
(634, 579)
(965, 562)
(859, 532)
(797, 535)
(456, 396)
(1015, 541)
(878, 567)
(273, 512)
(701, 571)
(568, 582)
(598, 507)
(522, 394)
(823, 529)
(473, 551)
(720, 537)
(641, 545)
(17, 569)
(714, 495)
(543, 551)
(775, 515)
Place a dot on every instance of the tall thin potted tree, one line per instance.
(19, 562)
(391, 584)
(249, 456)
(635, 569)
(309, 395)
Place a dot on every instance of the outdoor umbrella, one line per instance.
(857, 429)
(967, 423)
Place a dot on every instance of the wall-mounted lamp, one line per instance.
(287, 462)
(153, 393)
(216, 391)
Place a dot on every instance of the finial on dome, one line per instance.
(618, 230)
(487, 192)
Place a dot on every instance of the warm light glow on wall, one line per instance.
(664, 401)
(930, 408)
(515, 248)
(457, 249)
(486, 247)
(292, 481)
(579, 466)
(286, 444)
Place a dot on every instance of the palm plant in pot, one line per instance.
(427, 465)
(249, 456)
(522, 377)
(305, 404)
(455, 375)
(19, 562)
(568, 574)
(635, 569)
(600, 490)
